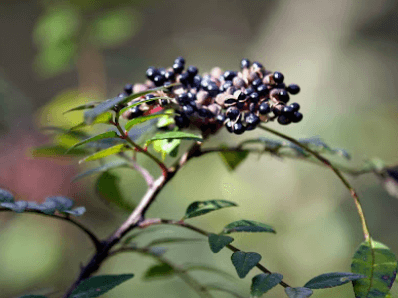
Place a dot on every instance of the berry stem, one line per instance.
(335, 170)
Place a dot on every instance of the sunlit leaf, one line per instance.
(247, 226)
(106, 152)
(378, 263)
(142, 119)
(264, 282)
(202, 207)
(105, 135)
(333, 279)
(98, 285)
(244, 262)
(175, 135)
(218, 242)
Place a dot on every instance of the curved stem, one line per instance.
(183, 274)
(335, 170)
(94, 239)
(158, 221)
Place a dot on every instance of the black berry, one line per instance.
(297, 117)
(169, 75)
(284, 120)
(229, 75)
(232, 113)
(203, 112)
(149, 96)
(229, 125)
(278, 77)
(295, 106)
(221, 118)
(183, 99)
(191, 96)
(151, 72)
(257, 65)
(277, 110)
(188, 110)
(184, 79)
(245, 63)
(196, 81)
(178, 67)
(287, 111)
(226, 85)
(181, 121)
(163, 102)
(257, 83)
(254, 97)
(212, 89)
(180, 60)
(192, 70)
(162, 70)
(158, 80)
(252, 119)
(238, 128)
(128, 89)
(248, 91)
(135, 112)
(283, 96)
(293, 89)
(264, 108)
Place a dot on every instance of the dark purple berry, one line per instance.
(229, 75)
(245, 63)
(232, 113)
(221, 118)
(180, 60)
(192, 70)
(242, 96)
(238, 128)
(158, 80)
(169, 75)
(280, 86)
(202, 112)
(151, 72)
(283, 96)
(293, 89)
(135, 112)
(297, 117)
(149, 96)
(191, 96)
(128, 89)
(183, 99)
(162, 70)
(257, 83)
(257, 65)
(252, 119)
(278, 77)
(184, 79)
(196, 81)
(181, 121)
(188, 110)
(248, 91)
(254, 97)
(178, 67)
(212, 89)
(295, 106)
(167, 84)
(229, 125)
(164, 102)
(262, 90)
(287, 111)
(277, 110)
(230, 102)
(284, 120)
(226, 85)
(264, 108)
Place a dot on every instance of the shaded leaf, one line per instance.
(106, 152)
(333, 279)
(105, 135)
(264, 282)
(56, 150)
(85, 106)
(175, 135)
(108, 187)
(18, 206)
(167, 147)
(159, 271)
(218, 242)
(202, 207)
(103, 168)
(98, 285)
(298, 292)
(172, 240)
(141, 119)
(233, 159)
(247, 226)
(62, 203)
(378, 263)
(6, 196)
(157, 251)
(104, 118)
(244, 262)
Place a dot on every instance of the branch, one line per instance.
(90, 234)
(183, 274)
(335, 170)
(158, 221)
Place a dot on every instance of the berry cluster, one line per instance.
(239, 100)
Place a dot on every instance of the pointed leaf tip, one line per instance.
(202, 207)
(218, 242)
(244, 262)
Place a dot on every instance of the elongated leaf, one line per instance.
(244, 262)
(108, 187)
(105, 135)
(333, 279)
(6, 196)
(233, 159)
(103, 168)
(98, 285)
(141, 119)
(106, 152)
(141, 102)
(91, 115)
(247, 226)
(101, 119)
(202, 207)
(175, 135)
(298, 292)
(264, 282)
(159, 271)
(173, 240)
(379, 264)
(218, 242)
(165, 120)
(85, 106)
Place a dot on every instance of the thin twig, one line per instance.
(335, 170)
(158, 221)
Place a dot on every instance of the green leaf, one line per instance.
(202, 207)
(247, 226)
(172, 240)
(32, 296)
(298, 292)
(56, 150)
(218, 242)
(166, 120)
(175, 135)
(105, 135)
(159, 271)
(104, 118)
(85, 106)
(167, 147)
(233, 159)
(6, 196)
(244, 262)
(142, 119)
(103, 168)
(157, 251)
(379, 264)
(91, 115)
(333, 279)
(223, 289)
(136, 103)
(98, 285)
(106, 152)
(62, 203)
(264, 282)
(108, 187)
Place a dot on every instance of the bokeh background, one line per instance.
(57, 54)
